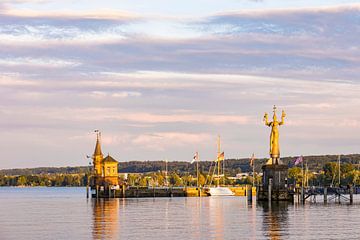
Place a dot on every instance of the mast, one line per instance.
(197, 169)
(339, 168)
(218, 161)
(253, 169)
(166, 170)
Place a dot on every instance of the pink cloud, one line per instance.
(162, 140)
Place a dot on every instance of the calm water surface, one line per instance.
(65, 213)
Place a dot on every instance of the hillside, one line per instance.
(233, 166)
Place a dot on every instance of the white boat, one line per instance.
(220, 191)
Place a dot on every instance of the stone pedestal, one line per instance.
(274, 184)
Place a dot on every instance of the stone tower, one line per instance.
(98, 156)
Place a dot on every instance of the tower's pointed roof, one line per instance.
(109, 159)
(98, 145)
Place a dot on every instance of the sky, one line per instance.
(161, 79)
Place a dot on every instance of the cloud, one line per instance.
(63, 74)
(161, 141)
(38, 62)
(28, 26)
(113, 114)
(313, 44)
(287, 22)
(123, 94)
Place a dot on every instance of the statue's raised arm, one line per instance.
(266, 120)
(283, 115)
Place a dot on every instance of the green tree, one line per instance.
(21, 181)
(175, 180)
(143, 181)
(202, 179)
(295, 175)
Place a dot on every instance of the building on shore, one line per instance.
(105, 173)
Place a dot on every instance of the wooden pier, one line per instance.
(328, 194)
(142, 192)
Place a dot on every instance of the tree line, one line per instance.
(232, 166)
(45, 180)
(322, 170)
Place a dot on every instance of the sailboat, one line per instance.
(218, 190)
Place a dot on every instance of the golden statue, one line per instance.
(274, 136)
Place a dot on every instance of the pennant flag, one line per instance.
(252, 160)
(298, 160)
(195, 158)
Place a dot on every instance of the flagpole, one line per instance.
(218, 162)
(166, 172)
(223, 169)
(339, 168)
(302, 180)
(253, 165)
(253, 172)
(197, 169)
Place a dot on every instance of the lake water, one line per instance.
(65, 213)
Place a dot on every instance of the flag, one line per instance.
(195, 158)
(252, 160)
(221, 156)
(298, 160)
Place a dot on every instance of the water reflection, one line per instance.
(217, 216)
(275, 219)
(105, 218)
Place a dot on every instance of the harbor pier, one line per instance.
(143, 192)
(327, 194)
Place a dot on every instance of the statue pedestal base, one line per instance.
(274, 186)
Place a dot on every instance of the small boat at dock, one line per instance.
(220, 191)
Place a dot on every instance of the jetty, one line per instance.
(149, 192)
(326, 194)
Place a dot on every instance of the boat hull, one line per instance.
(220, 191)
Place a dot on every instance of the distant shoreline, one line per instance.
(315, 163)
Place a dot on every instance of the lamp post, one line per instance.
(89, 171)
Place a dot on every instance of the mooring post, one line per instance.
(297, 194)
(87, 190)
(97, 191)
(302, 195)
(351, 191)
(123, 190)
(249, 193)
(269, 190)
(325, 195)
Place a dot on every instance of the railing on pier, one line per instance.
(328, 193)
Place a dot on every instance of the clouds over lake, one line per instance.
(184, 77)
